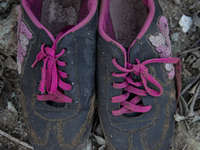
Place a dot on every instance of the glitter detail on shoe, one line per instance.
(162, 43)
(23, 37)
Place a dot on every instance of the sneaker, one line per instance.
(135, 75)
(57, 74)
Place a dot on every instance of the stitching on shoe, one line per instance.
(166, 124)
(130, 142)
(167, 120)
(143, 141)
(108, 143)
(79, 138)
(30, 130)
(37, 140)
(144, 127)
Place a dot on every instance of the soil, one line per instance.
(187, 131)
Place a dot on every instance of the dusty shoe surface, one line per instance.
(136, 76)
(57, 74)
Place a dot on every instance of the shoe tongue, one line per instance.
(126, 48)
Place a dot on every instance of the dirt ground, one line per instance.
(184, 45)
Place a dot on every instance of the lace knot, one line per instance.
(139, 68)
(131, 86)
(51, 76)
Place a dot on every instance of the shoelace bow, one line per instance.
(131, 87)
(51, 76)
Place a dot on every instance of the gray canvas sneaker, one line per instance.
(135, 76)
(57, 74)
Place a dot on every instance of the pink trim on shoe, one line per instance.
(151, 6)
(104, 17)
(27, 4)
(92, 7)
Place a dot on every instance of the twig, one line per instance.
(16, 140)
(187, 125)
(195, 43)
(14, 80)
(191, 108)
(184, 147)
(189, 50)
(190, 84)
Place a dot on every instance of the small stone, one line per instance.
(10, 1)
(8, 33)
(8, 119)
(12, 94)
(11, 107)
(2, 10)
(193, 37)
(4, 5)
(4, 119)
(186, 23)
(175, 37)
(178, 2)
(10, 63)
(196, 64)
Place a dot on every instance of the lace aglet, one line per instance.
(33, 65)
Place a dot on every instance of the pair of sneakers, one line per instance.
(127, 60)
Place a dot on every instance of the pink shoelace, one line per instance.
(131, 87)
(51, 75)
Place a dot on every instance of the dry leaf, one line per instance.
(178, 118)
(196, 64)
(88, 145)
(102, 147)
(192, 91)
(99, 140)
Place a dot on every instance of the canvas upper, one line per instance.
(59, 113)
(136, 85)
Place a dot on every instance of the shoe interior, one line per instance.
(57, 14)
(127, 18)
